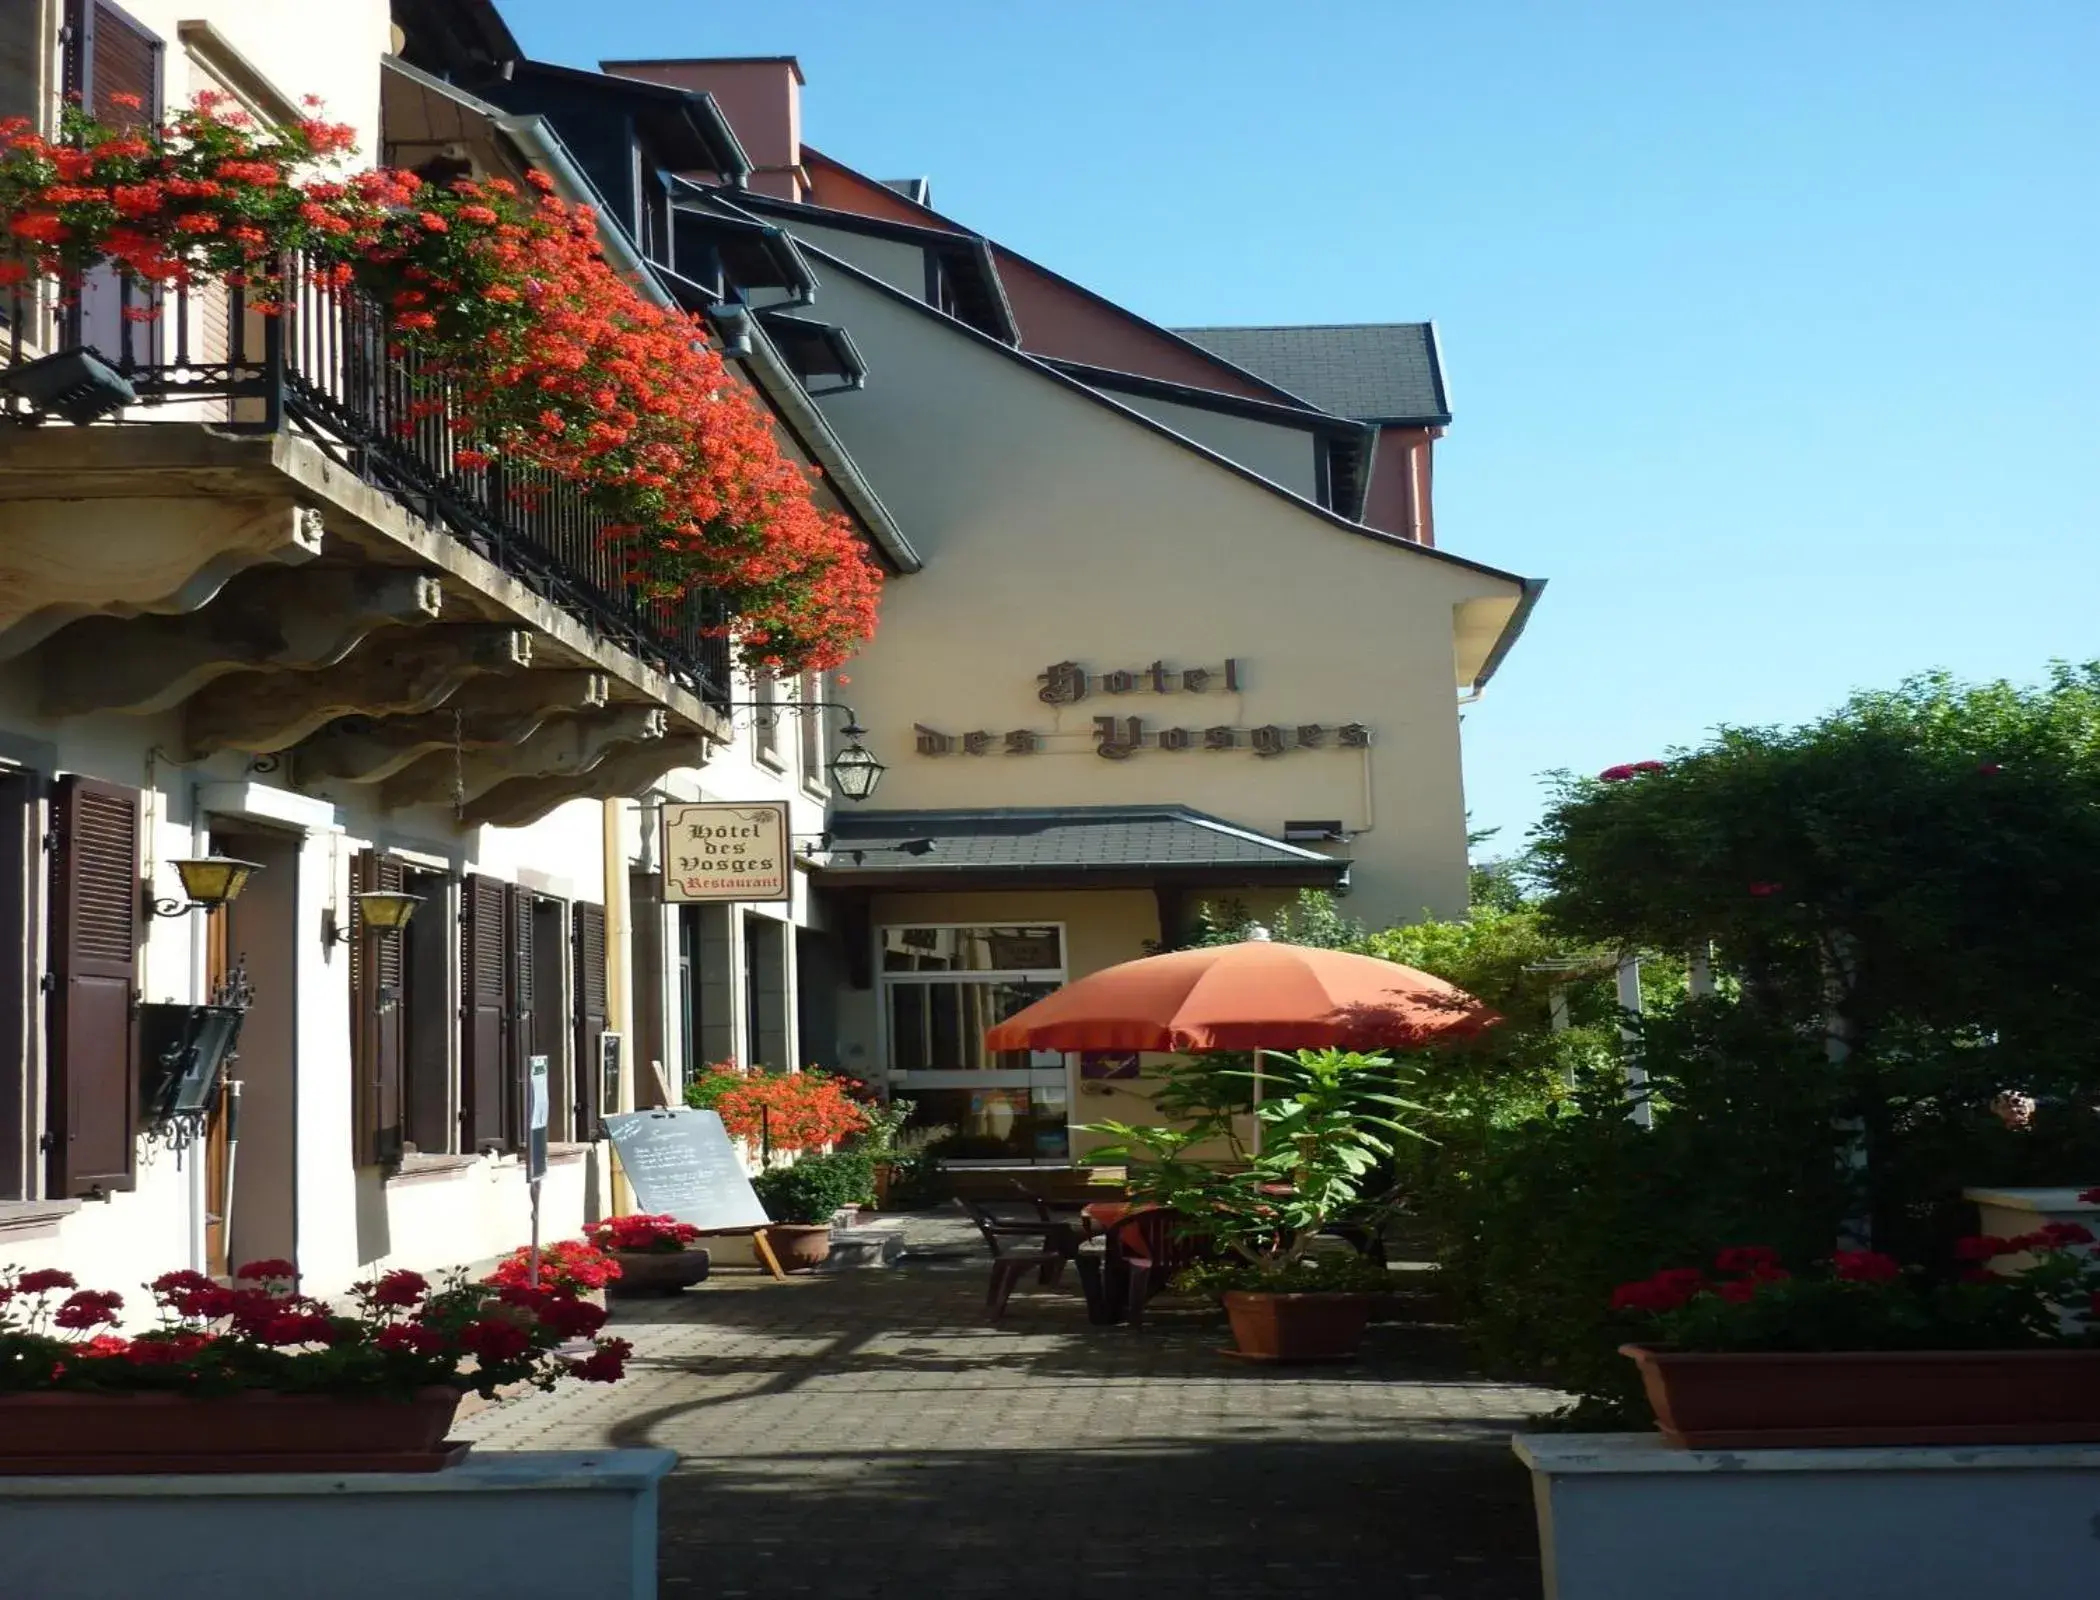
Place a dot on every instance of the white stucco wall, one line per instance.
(331, 51)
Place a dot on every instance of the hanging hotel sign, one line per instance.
(1118, 738)
(718, 851)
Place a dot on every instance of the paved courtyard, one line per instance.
(868, 1434)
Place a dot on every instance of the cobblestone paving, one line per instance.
(867, 1434)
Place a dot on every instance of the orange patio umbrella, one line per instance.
(1255, 995)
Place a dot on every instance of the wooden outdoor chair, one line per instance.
(1143, 1252)
(1055, 1244)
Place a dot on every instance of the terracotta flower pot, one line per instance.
(659, 1272)
(1297, 1327)
(798, 1246)
(61, 1433)
(1731, 1401)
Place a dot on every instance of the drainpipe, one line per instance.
(619, 1010)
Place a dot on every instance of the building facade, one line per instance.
(1165, 622)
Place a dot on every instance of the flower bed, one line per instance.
(536, 352)
(256, 1375)
(1864, 1350)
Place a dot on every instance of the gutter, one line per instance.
(1534, 590)
(534, 135)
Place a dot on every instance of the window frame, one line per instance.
(886, 981)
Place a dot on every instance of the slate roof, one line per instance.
(1367, 371)
(1068, 840)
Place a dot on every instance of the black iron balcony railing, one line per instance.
(320, 366)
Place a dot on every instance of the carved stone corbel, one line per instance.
(296, 620)
(485, 713)
(65, 559)
(384, 676)
(522, 801)
(564, 747)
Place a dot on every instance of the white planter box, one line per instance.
(578, 1524)
(1622, 1516)
(2007, 1213)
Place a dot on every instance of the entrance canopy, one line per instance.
(1067, 847)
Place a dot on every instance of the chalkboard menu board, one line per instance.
(680, 1163)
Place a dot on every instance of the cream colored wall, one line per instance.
(1055, 528)
(331, 51)
(1282, 455)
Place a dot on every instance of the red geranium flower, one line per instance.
(45, 1279)
(88, 1308)
(400, 1288)
(273, 1267)
(1866, 1266)
(1746, 1258)
(1981, 1247)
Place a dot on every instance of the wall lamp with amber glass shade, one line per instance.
(209, 881)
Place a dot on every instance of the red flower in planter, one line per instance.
(1866, 1266)
(1765, 891)
(44, 1280)
(88, 1308)
(496, 1339)
(1982, 1247)
(1747, 1258)
(1738, 1290)
(607, 1365)
(297, 1327)
(398, 1289)
(2061, 1235)
(266, 1270)
(642, 1233)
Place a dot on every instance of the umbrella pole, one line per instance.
(1256, 1143)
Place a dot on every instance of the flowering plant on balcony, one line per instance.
(568, 1266)
(642, 1234)
(1863, 1300)
(785, 1110)
(535, 353)
(260, 1333)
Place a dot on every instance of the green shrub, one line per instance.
(816, 1186)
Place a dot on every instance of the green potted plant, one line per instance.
(1862, 1350)
(804, 1198)
(877, 1140)
(653, 1252)
(1327, 1124)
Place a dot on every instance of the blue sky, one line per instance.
(1771, 330)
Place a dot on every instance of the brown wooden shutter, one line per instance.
(518, 1015)
(111, 55)
(587, 941)
(483, 997)
(377, 984)
(95, 915)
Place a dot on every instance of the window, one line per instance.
(765, 723)
(811, 730)
(942, 987)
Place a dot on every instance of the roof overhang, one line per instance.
(1136, 846)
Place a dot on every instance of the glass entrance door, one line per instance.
(943, 986)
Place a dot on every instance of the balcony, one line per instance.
(271, 538)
